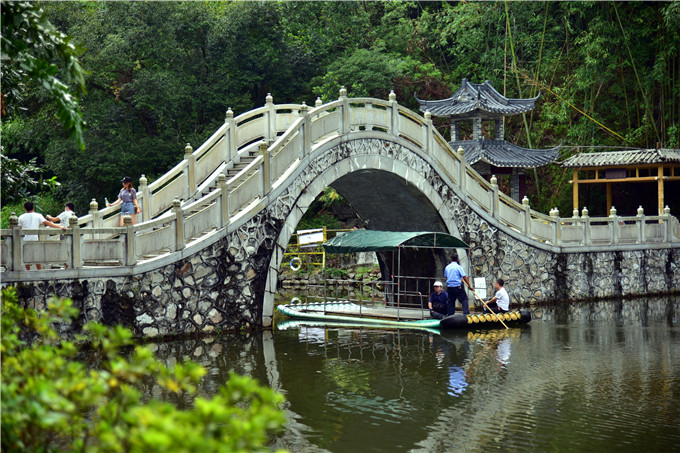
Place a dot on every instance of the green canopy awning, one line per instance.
(384, 241)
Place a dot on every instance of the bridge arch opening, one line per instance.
(387, 195)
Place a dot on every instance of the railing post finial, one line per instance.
(318, 102)
(666, 211)
(304, 107)
(584, 212)
(143, 181)
(176, 203)
(188, 149)
(13, 220)
(525, 201)
(127, 220)
(229, 116)
(612, 212)
(574, 214)
(554, 212)
(428, 116)
(392, 97)
(94, 206)
(640, 211)
(493, 180)
(269, 99)
(343, 92)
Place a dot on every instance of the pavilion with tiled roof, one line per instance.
(660, 166)
(480, 103)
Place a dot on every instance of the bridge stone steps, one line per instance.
(240, 166)
(228, 172)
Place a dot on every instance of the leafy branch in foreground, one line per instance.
(30, 44)
(52, 401)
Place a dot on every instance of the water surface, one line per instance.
(563, 383)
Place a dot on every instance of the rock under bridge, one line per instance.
(207, 252)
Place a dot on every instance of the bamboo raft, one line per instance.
(349, 312)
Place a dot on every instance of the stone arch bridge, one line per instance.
(207, 251)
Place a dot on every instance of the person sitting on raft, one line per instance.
(500, 303)
(437, 301)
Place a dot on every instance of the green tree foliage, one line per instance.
(163, 73)
(85, 396)
(30, 47)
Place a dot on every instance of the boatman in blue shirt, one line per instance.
(438, 301)
(455, 277)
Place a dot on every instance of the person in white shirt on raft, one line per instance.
(500, 303)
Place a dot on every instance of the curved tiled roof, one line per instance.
(477, 96)
(620, 158)
(504, 154)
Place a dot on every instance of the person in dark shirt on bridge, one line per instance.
(437, 301)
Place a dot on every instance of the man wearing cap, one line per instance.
(455, 277)
(437, 301)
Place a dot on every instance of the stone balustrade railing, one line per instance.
(195, 201)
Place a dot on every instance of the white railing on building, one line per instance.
(195, 198)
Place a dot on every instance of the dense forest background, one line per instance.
(161, 74)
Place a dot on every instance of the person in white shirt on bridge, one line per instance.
(500, 303)
(31, 220)
(64, 216)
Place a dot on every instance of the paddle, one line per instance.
(487, 307)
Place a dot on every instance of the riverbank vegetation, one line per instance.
(161, 74)
(86, 394)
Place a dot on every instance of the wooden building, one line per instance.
(658, 167)
(483, 108)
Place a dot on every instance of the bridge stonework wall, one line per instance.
(230, 285)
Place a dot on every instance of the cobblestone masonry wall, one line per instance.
(222, 287)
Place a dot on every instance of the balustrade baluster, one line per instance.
(231, 139)
(586, 226)
(461, 169)
(344, 113)
(179, 224)
(224, 200)
(17, 245)
(76, 243)
(494, 196)
(306, 130)
(96, 217)
(266, 183)
(614, 226)
(557, 224)
(130, 250)
(190, 170)
(428, 131)
(668, 230)
(270, 124)
(394, 117)
(640, 221)
(146, 195)
(527, 216)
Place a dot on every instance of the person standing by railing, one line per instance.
(128, 197)
(64, 216)
(31, 220)
(63, 219)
